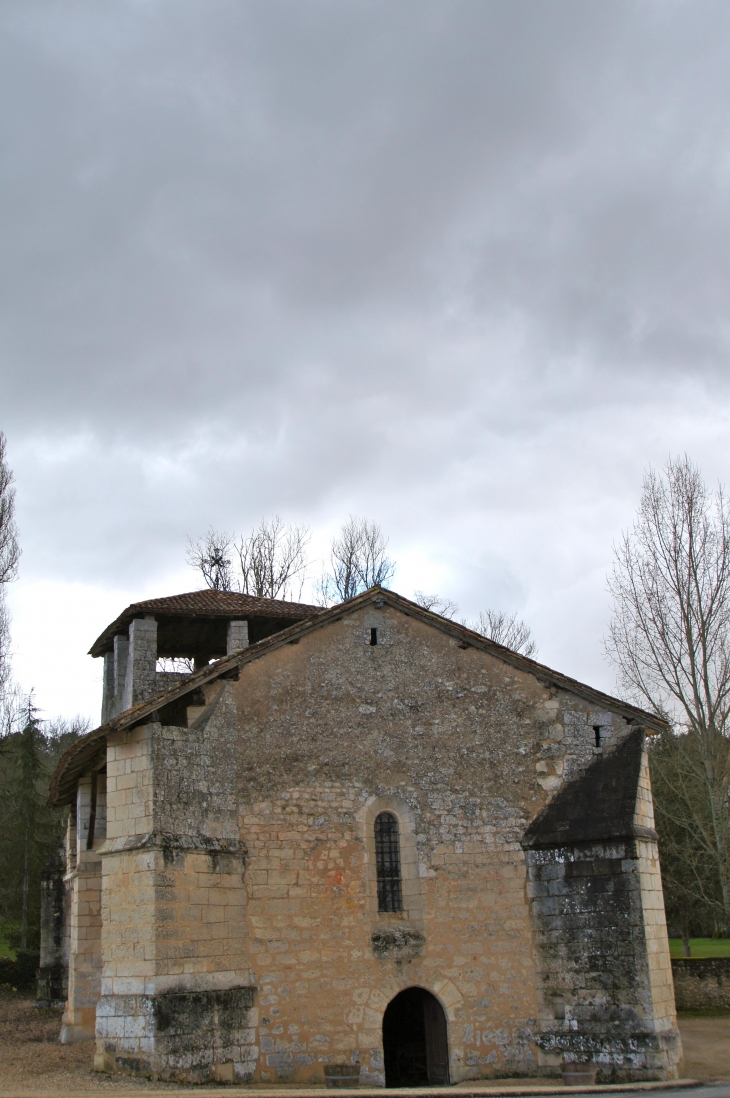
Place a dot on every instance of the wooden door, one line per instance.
(437, 1045)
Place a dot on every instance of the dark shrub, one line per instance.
(22, 972)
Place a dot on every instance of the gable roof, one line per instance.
(203, 604)
(81, 754)
(598, 804)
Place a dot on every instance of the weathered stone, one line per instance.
(140, 681)
(702, 983)
(52, 989)
(240, 930)
(607, 963)
(237, 636)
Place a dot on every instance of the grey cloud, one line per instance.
(235, 190)
(462, 266)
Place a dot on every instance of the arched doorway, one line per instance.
(415, 1045)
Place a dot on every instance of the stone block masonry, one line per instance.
(236, 636)
(605, 979)
(316, 939)
(83, 881)
(702, 983)
(176, 991)
(174, 939)
(597, 989)
(139, 681)
(240, 936)
(52, 989)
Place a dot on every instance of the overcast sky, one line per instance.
(460, 267)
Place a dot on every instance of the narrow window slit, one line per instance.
(597, 733)
(387, 860)
(92, 811)
(373, 636)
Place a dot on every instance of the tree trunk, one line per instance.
(24, 918)
(686, 947)
(718, 793)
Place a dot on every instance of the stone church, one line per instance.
(362, 841)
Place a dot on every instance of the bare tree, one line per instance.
(670, 641)
(358, 560)
(11, 704)
(506, 629)
(9, 547)
(9, 557)
(176, 665)
(5, 676)
(273, 559)
(692, 892)
(211, 555)
(436, 604)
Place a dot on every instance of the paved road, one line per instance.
(719, 1090)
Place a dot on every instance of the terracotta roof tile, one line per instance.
(204, 604)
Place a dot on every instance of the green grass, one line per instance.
(703, 1013)
(5, 949)
(701, 947)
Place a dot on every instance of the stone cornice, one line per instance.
(167, 840)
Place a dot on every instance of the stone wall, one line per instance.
(702, 983)
(327, 963)
(598, 913)
(175, 983)
(140, 677)
(52, 987)
(596, 985)
(239, 880)
(85, 835)
(332, 728)
(173, 943)
(130, 673)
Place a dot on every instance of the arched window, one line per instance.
(387, 859)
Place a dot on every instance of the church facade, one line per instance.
(361, 841)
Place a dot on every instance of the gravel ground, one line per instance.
(31, 1059)
(706, 1043)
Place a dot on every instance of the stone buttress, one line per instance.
(176, 996)
(85, 834)
(605, 976)
(52, 990)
